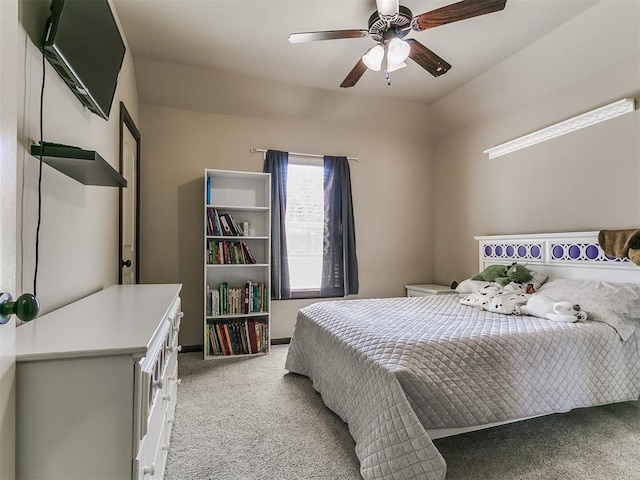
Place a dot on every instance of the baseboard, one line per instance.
(281, 341)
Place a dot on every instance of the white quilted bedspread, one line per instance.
(392, 368)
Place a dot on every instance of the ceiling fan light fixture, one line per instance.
(373, 58)
(392, 67)
(397, 51)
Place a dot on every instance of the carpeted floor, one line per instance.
(247, 418)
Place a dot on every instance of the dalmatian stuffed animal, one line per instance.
(542, 306)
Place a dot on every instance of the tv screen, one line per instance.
(84, 45)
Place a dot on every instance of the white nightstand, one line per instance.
(423, 289)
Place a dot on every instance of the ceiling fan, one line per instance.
(388, 26)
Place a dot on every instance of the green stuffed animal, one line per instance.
(518, 273)
(490, 273)
(503, 275)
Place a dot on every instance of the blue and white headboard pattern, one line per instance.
(559, 255)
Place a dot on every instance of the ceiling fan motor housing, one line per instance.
(398, 26)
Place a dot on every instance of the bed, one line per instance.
(404, 371)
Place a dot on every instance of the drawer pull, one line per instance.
(173, 378)
(157, 384)
(181, 314)
(173, 349)
(166, 397)
(149, 470)
(171, 421)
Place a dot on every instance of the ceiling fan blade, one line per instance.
(456, 12)
(428, 60)
(354, 75)
(326, 35)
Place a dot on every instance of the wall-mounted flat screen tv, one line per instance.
(83, 43)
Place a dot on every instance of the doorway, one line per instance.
(129, 265)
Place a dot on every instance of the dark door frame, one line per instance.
(127, 121)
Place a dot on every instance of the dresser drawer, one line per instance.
(150, 463)
(171, 400)
(158, 392)
(174, 317)
(151, 377)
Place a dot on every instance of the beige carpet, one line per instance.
(247, 418)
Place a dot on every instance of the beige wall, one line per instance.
(439, 195)
(587, 180)
(392, 198)
(214, 91)
(79, 229)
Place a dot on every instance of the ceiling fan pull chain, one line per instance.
(386, 74)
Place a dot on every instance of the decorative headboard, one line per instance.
(559, 255)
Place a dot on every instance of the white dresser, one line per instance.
(96, 385)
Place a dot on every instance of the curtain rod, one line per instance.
(263, 150)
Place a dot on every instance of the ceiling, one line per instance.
(249, 38)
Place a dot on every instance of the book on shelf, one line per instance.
(244, 336)
(250, 257)
(227, 300)
(226, 226)
(209, 223)
(236, 226)
(213, 222)
(225, 252)
(208, 309)
(234, 229)
(213, 301)
(223, 224)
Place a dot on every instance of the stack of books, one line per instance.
(226, 300)
(238, 337)
(223, 252)
(219, 225)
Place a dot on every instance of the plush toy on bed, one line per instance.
(542, 306)
(506, 303)
(503, 275)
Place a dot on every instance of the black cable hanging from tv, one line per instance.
(39, 215)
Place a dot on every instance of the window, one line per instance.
(313, 243)
(304, 225)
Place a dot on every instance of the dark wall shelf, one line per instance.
(85, 166)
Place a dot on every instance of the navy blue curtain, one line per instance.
(339, 264)
(277, 163)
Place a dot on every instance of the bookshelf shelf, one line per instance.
(240, 238)
(238, 315)
(237, 265)
(237, 269)
(239, 209)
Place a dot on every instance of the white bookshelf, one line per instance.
(239, 324)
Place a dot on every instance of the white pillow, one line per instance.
(473, 286)
(537, 280)
(617, 304)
